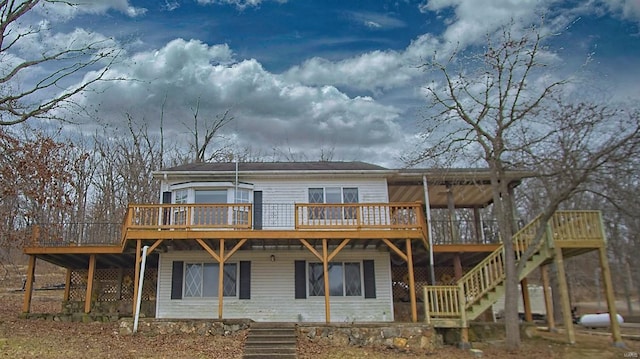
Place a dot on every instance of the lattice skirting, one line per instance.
(112, 284)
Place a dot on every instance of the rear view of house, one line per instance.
(305, 242)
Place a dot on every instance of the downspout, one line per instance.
(427, 206)
(140, 283)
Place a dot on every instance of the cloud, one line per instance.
(240, 4)
(376, 21)
(65, 11)
(268, 109)
(628, 9)
(473, 20)
(372, 71)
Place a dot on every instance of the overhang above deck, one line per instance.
(470, 187)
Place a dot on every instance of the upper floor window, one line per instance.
(181, 196)
(343, 195)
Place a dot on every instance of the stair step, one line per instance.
(269, 356)
(271, 340)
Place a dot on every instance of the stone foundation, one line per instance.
(154, 327)
(119, 307)
(403, 336)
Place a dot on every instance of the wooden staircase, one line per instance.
(453, 306)
(271, 341)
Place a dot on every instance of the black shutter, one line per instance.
(245, 280)
(166, 214)
(369, 279)
(257, 209)
(176, 279)
(300, 279)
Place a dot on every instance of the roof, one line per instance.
(275, 166)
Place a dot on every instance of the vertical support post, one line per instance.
(221, 279)
(452, 216)
(477, 226)
(88, 296)
(457, 267)
(611, 299)
(526, 301)
(464, 331)
(67, 285)
(425, 187)
(548, 300)
(564, 297)
(325, 270)
(28, 289)
(412, 283)
(136, 276)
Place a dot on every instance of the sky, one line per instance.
(302, 78)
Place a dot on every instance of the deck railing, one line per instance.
(75, 234)
(464, 232)
(189, 216)
(358, 216)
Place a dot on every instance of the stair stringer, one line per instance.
(489, 299)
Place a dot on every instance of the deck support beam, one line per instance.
(28, 287)
(548, 300)
(325, 270)
(564, 297)
(526, 301)
(611, 299)
(136, 275)
(90, 275)
(221, 280)
(412, 283)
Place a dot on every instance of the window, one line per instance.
(341, 195)
(180, 213)
(344, 279)
(201, 280)
(211, 215)
(241, 213)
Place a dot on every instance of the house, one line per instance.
(302, 242)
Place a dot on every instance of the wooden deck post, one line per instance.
(90, 274)
(457, 267)
(564, 297)
(412, 283)
(67, 285)
(548, 300)
(611, 299)
(325, 270)
(526, 300)
(28, 286)
(221, 279)
(136, 276)
(452, 216)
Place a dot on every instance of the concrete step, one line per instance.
(271, 341)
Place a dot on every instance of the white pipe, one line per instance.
(140, 283)
(429, 231)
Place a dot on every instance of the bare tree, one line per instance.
(499, 115)
(49, 70)
(201, 143)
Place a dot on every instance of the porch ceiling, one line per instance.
(464, 196)
(470, 187)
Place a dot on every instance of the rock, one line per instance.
(477, 353)
(399, 343)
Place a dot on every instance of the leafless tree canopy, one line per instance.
(26, 92)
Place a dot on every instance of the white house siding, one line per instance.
(273, 290)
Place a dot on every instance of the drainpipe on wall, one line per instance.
(140, 283)
(427, 206)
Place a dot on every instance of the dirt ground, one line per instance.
(23, 338)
